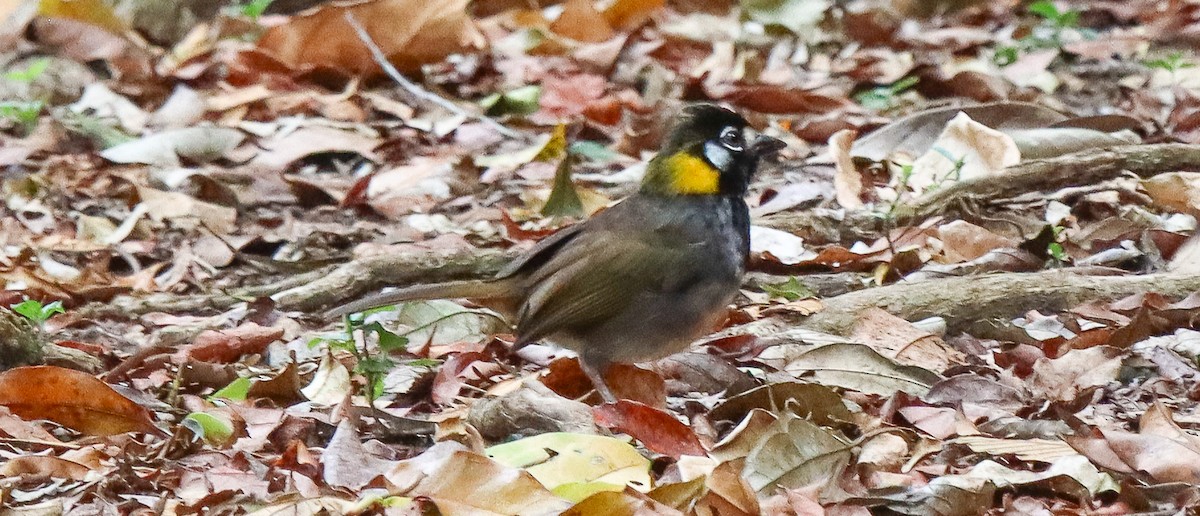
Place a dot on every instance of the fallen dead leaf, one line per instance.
(657, 430)
(73, 399)
(409, 32)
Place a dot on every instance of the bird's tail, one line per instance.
(471, 289)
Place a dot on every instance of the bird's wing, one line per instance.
(543, 252)
(598, 275)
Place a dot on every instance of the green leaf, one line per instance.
(255, 8)
(237, 390)
(30, 308)
(30, 73)
(388, 340)
(214, 430)
(521, 101)
(884, 97)
(35, 311)
(564, 200)
(790, 290)
(593, 151)
(1171, 63)
(1046, 9)
(374, 365)
(1005, 55)
(374, 368)
(333, 339)
(425, 362)
(23, 113)
(1056, 251)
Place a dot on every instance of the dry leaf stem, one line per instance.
(416, 90)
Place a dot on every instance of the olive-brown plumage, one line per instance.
(644, 278)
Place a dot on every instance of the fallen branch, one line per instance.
(324, 287)
(356, 278)
(825, 226)
(969, 300)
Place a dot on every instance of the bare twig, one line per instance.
(417, 91)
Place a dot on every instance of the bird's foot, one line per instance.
(597, 379)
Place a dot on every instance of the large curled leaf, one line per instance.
(796, 454)
(73, 399)
(858, 367)
(560, 458)
(813, 401)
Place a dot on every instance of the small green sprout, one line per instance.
(1174, 62)
(884, 97)
(30, 73)
(38, 313)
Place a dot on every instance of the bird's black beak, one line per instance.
(764, 146)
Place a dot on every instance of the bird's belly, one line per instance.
(654, 326)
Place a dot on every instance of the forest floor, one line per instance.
(974, 286)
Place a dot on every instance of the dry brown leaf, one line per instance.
(43, 466)
(914, 135)
(186, 211)
(628, 501)
(1179, 191)
(963, 241)
(847, 182)
(462, 482)
(73, 399)
(581, 22)
(898, 339)
(965, 149)
(409, 32)
(630, 14)
(1063, 378)
(230, 345)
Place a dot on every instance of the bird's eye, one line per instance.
(731, 138)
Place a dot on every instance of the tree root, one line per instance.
(1070, 170)
(324, 287)
(965, 301)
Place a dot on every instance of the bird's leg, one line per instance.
(597, 378)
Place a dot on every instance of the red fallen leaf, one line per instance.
(229, 345)
(1020, 359)
(454, 373)
(566, 97)
(657, 430)
(782, 100)
(357, 195)
(410, 32)
(73, 399)
(515, 232)
(86, 347)
(627, 381)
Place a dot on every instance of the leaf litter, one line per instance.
(155, 183)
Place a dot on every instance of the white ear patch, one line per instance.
(718, 155)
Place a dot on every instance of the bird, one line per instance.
(642, 279)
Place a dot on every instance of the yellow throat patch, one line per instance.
(692, 175)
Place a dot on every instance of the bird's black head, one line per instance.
(707, 153)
